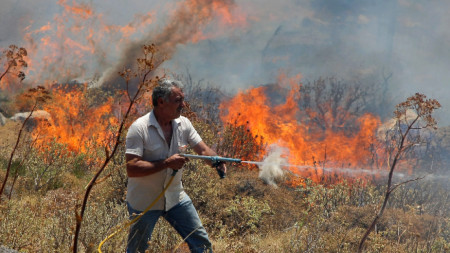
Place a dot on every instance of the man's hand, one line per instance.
(176, 161)
(202, 149)
(222, 170)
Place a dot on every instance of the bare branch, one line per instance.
(14, 62)
(423, 108)
(39, 97)
(148, 68)
(405, 182)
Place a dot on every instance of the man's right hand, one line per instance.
(176, 161)
(137, 167)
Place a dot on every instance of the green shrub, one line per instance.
(246, 213)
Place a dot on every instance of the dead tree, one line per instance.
(39, 95)
(412, 116)
(14, 62)
(331, 104)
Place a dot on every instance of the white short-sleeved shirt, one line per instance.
(145, 138)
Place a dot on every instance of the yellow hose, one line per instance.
(137, 217)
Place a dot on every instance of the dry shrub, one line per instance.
(102, 219)
(18, 227)
(240, 210)
(237, 141)
(165, 238)
(38, 224)
(339, 228)
(241, 213)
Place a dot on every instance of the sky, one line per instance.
(239, 44)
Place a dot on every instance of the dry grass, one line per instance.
(241, 213)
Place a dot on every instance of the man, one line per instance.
(153, 144)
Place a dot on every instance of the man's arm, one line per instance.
(136, 167)
(202, 149)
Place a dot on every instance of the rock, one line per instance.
(2, 119)
(36, 116)
(3, 249)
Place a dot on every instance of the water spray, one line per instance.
(269, 168)
(274, 165)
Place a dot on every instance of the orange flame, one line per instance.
(280, 125)
(76, 44)
(76, 124)
(205, 11)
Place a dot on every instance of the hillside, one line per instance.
(241, 213)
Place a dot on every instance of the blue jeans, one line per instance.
(183, 217)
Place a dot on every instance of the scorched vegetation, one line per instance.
(64, 187)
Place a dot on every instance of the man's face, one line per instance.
(175, 103)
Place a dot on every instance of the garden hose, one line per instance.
(140, 215)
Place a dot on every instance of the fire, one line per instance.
(77, 44)
(76, 124)
(9, 83)
(308, 147)
(83, 10)
(227, 16)
(230, 17)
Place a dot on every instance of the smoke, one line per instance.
(182, 27)
(352, 40)
(271, 166)
(275, 165)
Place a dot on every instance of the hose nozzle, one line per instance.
(216, 161)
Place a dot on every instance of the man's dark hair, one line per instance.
(164, 89)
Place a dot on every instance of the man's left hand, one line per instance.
(222, 170)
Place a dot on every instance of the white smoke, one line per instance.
(270, 168)
(407, 38)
